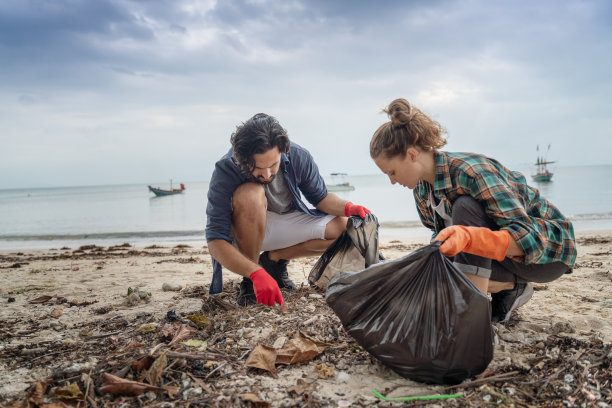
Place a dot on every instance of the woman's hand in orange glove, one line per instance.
(266, 288)
(353, 209)
(474, 240)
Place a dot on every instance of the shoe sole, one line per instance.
(519, 301)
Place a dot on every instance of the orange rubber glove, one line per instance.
(474, 240)
(266, 288)
(352, 209)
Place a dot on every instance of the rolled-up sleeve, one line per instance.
(309, 180)
(223, 183)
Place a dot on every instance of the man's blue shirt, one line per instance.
(300, 171)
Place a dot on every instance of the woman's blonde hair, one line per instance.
(409, 127)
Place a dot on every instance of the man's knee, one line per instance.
(249, 196)
(335, 227)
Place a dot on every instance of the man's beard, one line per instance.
(261, 181)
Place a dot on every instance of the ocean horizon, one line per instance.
(114, 214)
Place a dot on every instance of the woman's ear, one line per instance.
(412, 153)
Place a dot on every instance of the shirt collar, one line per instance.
(443, 179)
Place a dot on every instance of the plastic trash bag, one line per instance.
(355, 249)
(419, 315)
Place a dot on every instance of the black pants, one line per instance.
(467, 211)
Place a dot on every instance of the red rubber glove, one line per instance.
(352, 209)
(474, 240)
(266, 288)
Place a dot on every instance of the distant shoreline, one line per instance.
(385, 234)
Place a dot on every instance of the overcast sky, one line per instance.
(116, 91)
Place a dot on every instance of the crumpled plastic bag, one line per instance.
(419, 315)
(355, 249)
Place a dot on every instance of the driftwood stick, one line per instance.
(190, 356)
(493, 378)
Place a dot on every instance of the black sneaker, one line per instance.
(278, 270)
(246, 297)
(505, 301)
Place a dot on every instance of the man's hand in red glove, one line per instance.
(352, 209)
(266, 288)
(474, 240)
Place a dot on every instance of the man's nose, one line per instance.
(392, 179)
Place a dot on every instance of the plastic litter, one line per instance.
(419, 315)
(355, 249)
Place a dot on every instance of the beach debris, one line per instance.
(171, 316)
(135, 296)
(564, 369)
(324, 371)
(120, 386)
(199, 320)
(254, 399)
(200, 345)
(168, 286)
(299, 349)
(41, 299)
(71, 391)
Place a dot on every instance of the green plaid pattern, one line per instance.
(538, 227)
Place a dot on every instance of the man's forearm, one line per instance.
(332, 205)
(231, 258)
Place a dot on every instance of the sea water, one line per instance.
(110, 215)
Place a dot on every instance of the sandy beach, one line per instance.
(66, 318)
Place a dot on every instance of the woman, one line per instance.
(500, 233)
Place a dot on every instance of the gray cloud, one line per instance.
(83, 82)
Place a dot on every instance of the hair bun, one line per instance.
(400, 112)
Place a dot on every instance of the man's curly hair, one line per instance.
(257, 135)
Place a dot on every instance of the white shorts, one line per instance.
(285, 230)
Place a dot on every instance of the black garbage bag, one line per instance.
(355, 249)
(419, 315)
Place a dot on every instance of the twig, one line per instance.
(216, 368)
(87, 385)
(99, 336)
(188, 356)
(493, 378)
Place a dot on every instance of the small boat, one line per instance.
(341, 186)
(542, 173)
(164, 192)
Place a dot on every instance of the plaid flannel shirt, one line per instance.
(538, 227)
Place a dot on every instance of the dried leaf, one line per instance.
(147, 328)
(299, 349)
(171, 390)
(263, 357)
(143, 364)
(157, 369)
(123, 389)
(255, 400)
(324, 371)
(199, 344)
(184, 332)
(300, 388)
(71, 391)
(169, 330)
(38, 392)
(120, 386)
(57, 312)
(199, 320)
(41, 299)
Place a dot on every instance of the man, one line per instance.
(254, 204)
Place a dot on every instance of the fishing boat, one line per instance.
(339, 186)
(542, 173)
(164, 192)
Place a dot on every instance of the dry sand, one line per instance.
(90, 289)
